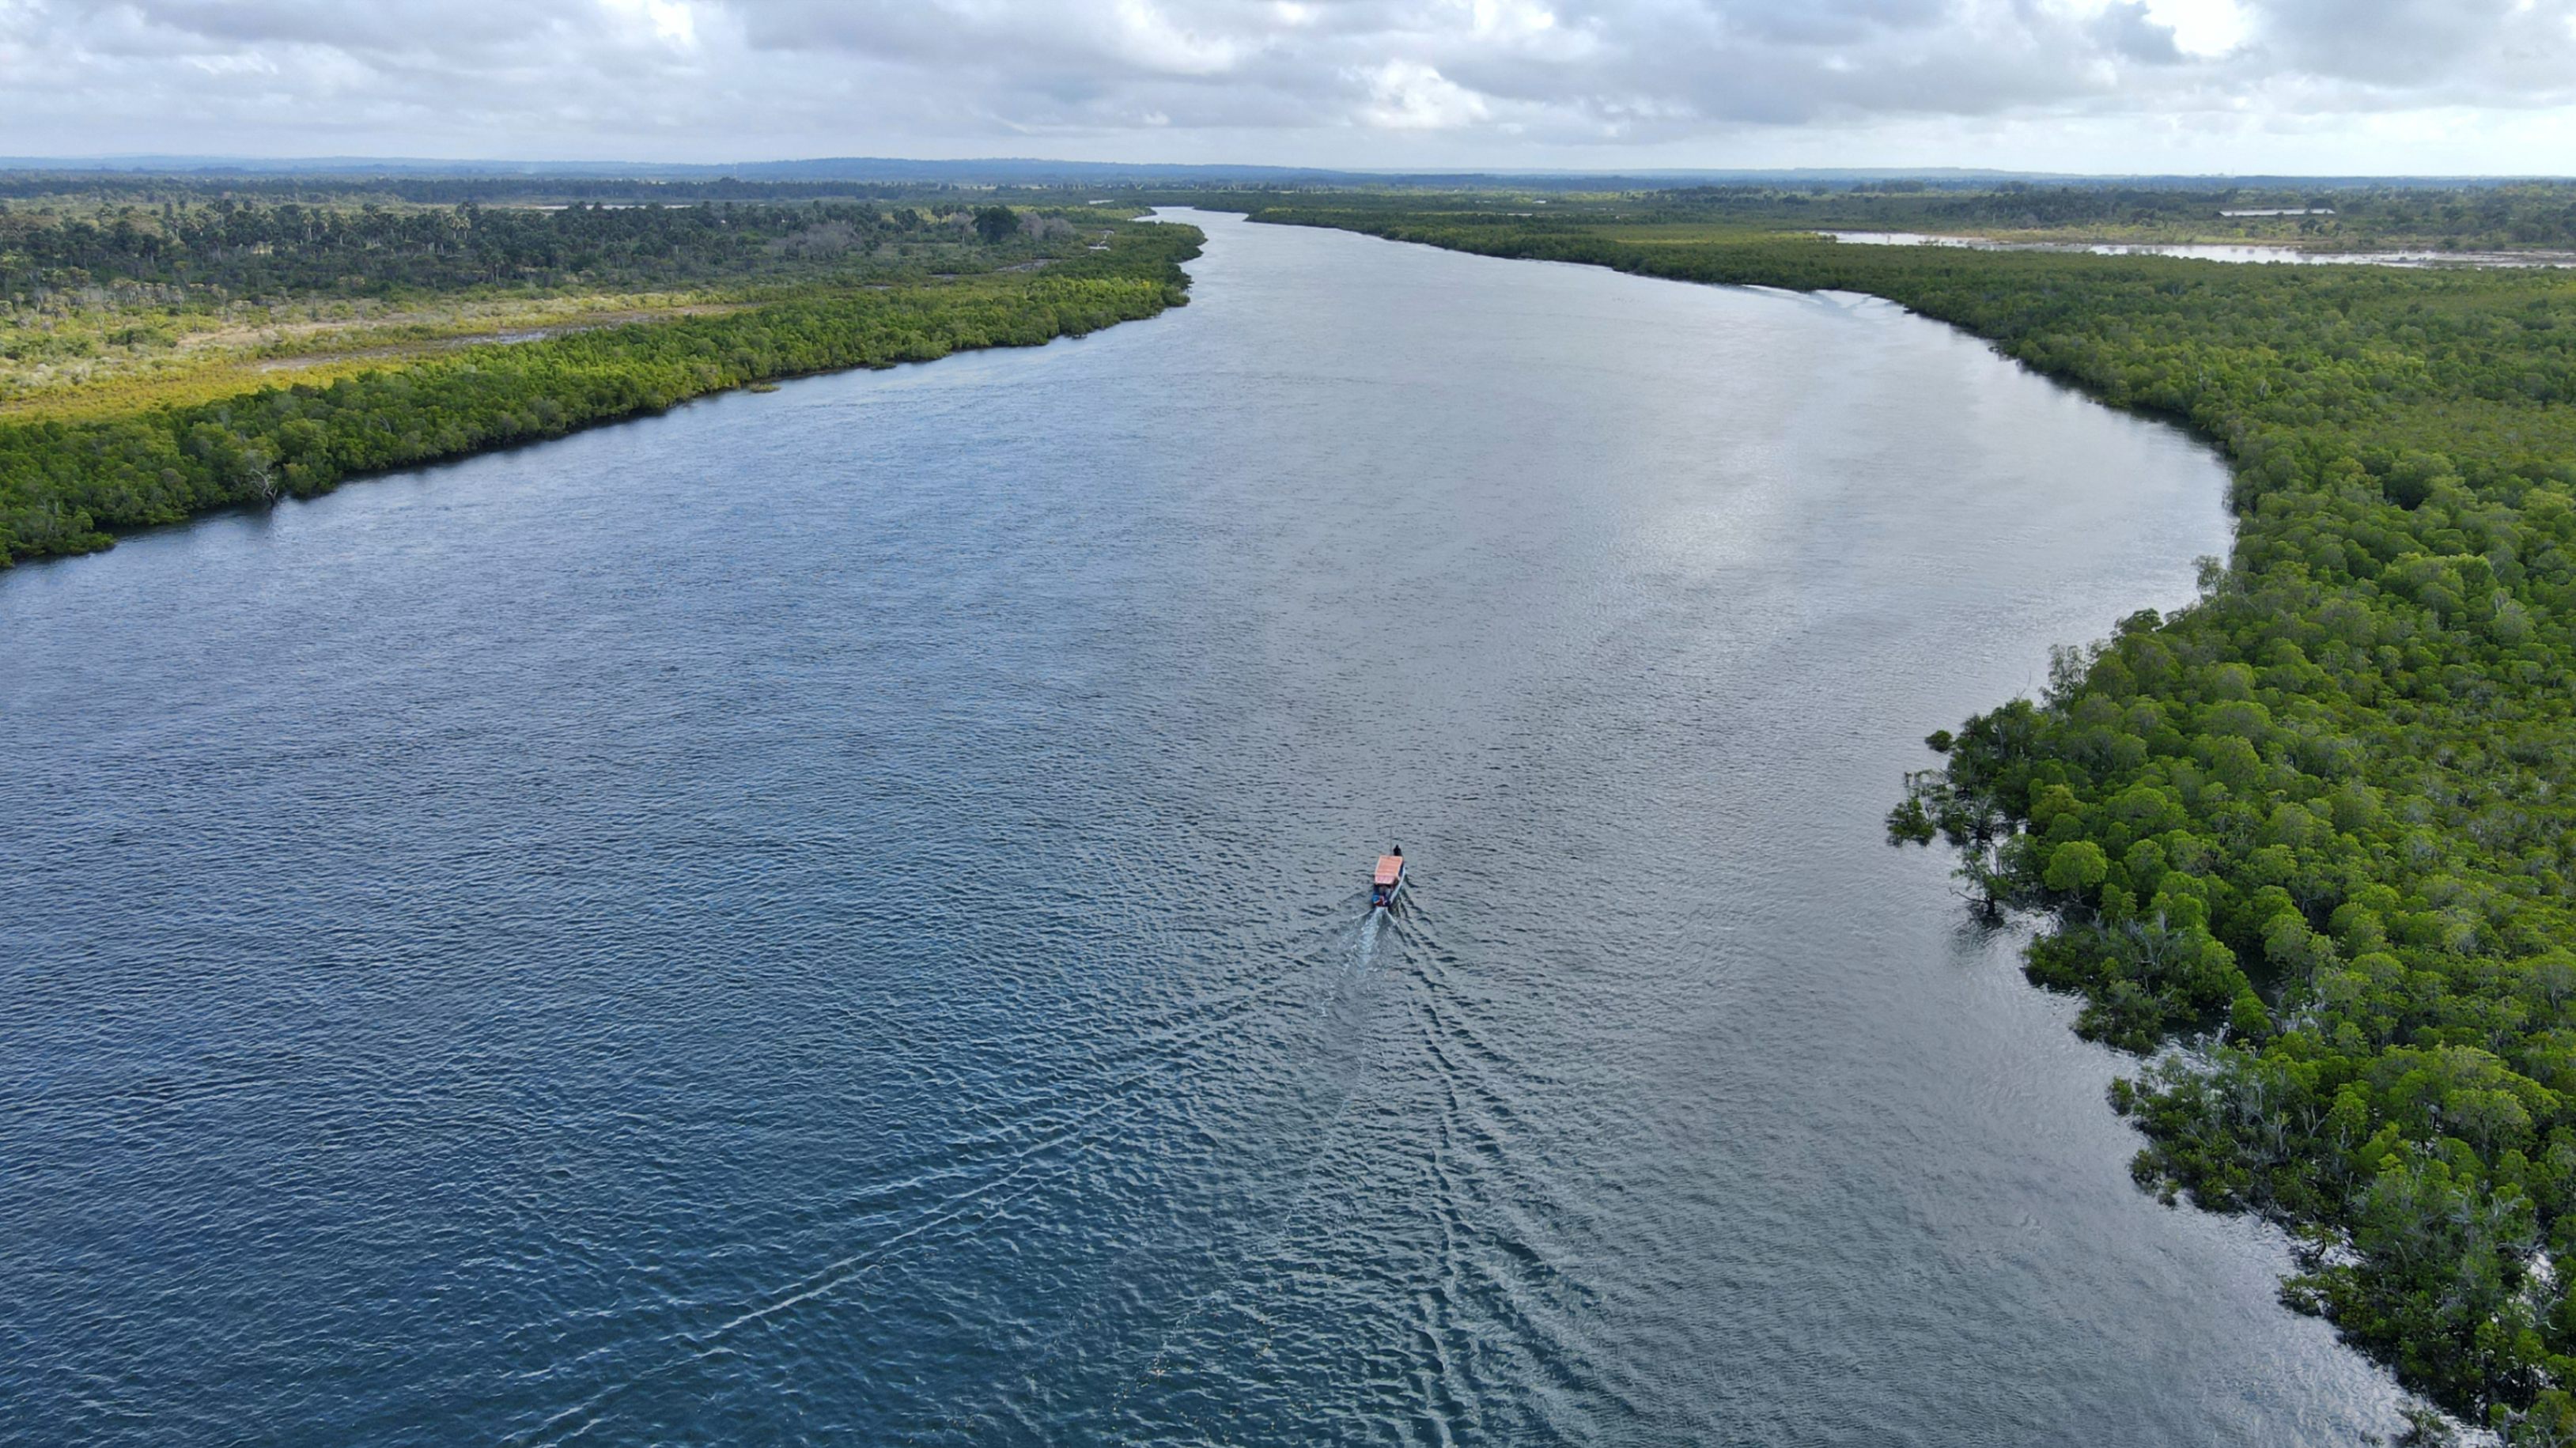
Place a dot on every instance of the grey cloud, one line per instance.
(390, 25)
(1717, 65)
(1579, 69)
(2128, 31)
(2404, 44)
(1829, 22)
(633, 76)
(449, 37)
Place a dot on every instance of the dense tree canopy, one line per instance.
(2320, 828)
(374, 250)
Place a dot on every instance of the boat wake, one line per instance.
(1330, 968)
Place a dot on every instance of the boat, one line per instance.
(1387, 881)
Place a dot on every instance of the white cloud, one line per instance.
(2203, 27)
(670, 22)
(1406, 95)
(2090, 84)
(1152, 40)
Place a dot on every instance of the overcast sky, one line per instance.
(2362, 86)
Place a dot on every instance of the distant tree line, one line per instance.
(205, 188)
(369, 250)
(2534, 214)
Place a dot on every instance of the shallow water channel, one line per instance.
(836, 915)
(2259, 252)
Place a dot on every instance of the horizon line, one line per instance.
(148, 162)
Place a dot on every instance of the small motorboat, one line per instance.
(1387, 881)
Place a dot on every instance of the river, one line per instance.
(2260, 252)
(836, 914)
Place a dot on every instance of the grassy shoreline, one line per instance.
(69, 483)
(2309, 845)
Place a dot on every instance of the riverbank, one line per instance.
(745, 833)
(2308, 840)
(71, 485)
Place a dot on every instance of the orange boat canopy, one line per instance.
(1388, 867)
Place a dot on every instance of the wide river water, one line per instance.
(837, 915)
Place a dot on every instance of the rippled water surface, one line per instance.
(835, 915)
